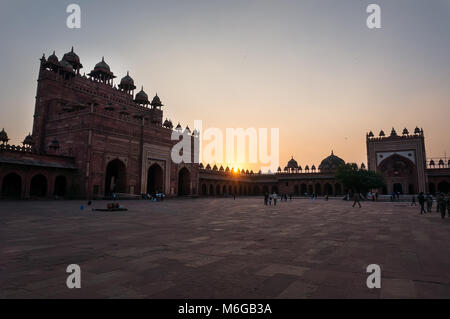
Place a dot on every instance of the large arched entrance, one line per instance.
(12, 186)
(211, 190)
(399, 172)
(204, 190)
(184, 182)
(116, 177)
(38, 186)
(60, 186)
(155, 179)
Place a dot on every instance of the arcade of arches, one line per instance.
(29, 184)
(222, 188)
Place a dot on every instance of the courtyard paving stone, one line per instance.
(222, 248)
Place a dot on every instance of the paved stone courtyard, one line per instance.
(221, 248)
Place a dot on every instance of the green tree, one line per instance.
(359, 180)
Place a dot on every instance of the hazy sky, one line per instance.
(311, 68)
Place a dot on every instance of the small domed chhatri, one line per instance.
(28, 141)
(102, 72)
(53, 59)
(73, 59)
(331, 163)
(141, 97)
(3, 136)
(156, 102)
(127, 83)
(292, 164)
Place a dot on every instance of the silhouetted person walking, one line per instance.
(422, 203)
(442, 203)
(356, 199)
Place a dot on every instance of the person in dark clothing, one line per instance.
(356, 199)
(422, 203)
(442, 204)
(266, 198)
(429, 200)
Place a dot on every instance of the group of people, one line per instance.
(268, 198)
(155, 197)
(442, 203)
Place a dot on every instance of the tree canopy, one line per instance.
(359, 180)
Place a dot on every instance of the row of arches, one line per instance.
(241, 190)
(13, 186)
(215, 189)
(116, 179)
(318, 189)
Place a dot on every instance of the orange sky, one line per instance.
(310, 68)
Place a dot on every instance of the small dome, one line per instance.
(156, 102)
(306, 168)
(3, 136)
(127, 83)
(382, 133)
(432, 163)
(441, 162)
(168, 124)
(279, 169)
(221, 168)
(208, 166)
(73, 59)
(215, 167)
(405, 131)
(141, 97)
(292, 163)
(187, 130)
(102, 65)
(53, 59)
(417, 130)
(227, 169)
(393, 132)
(179, 128)
(200, 165)
(28, 140)
(370, 134)
(331, 163)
